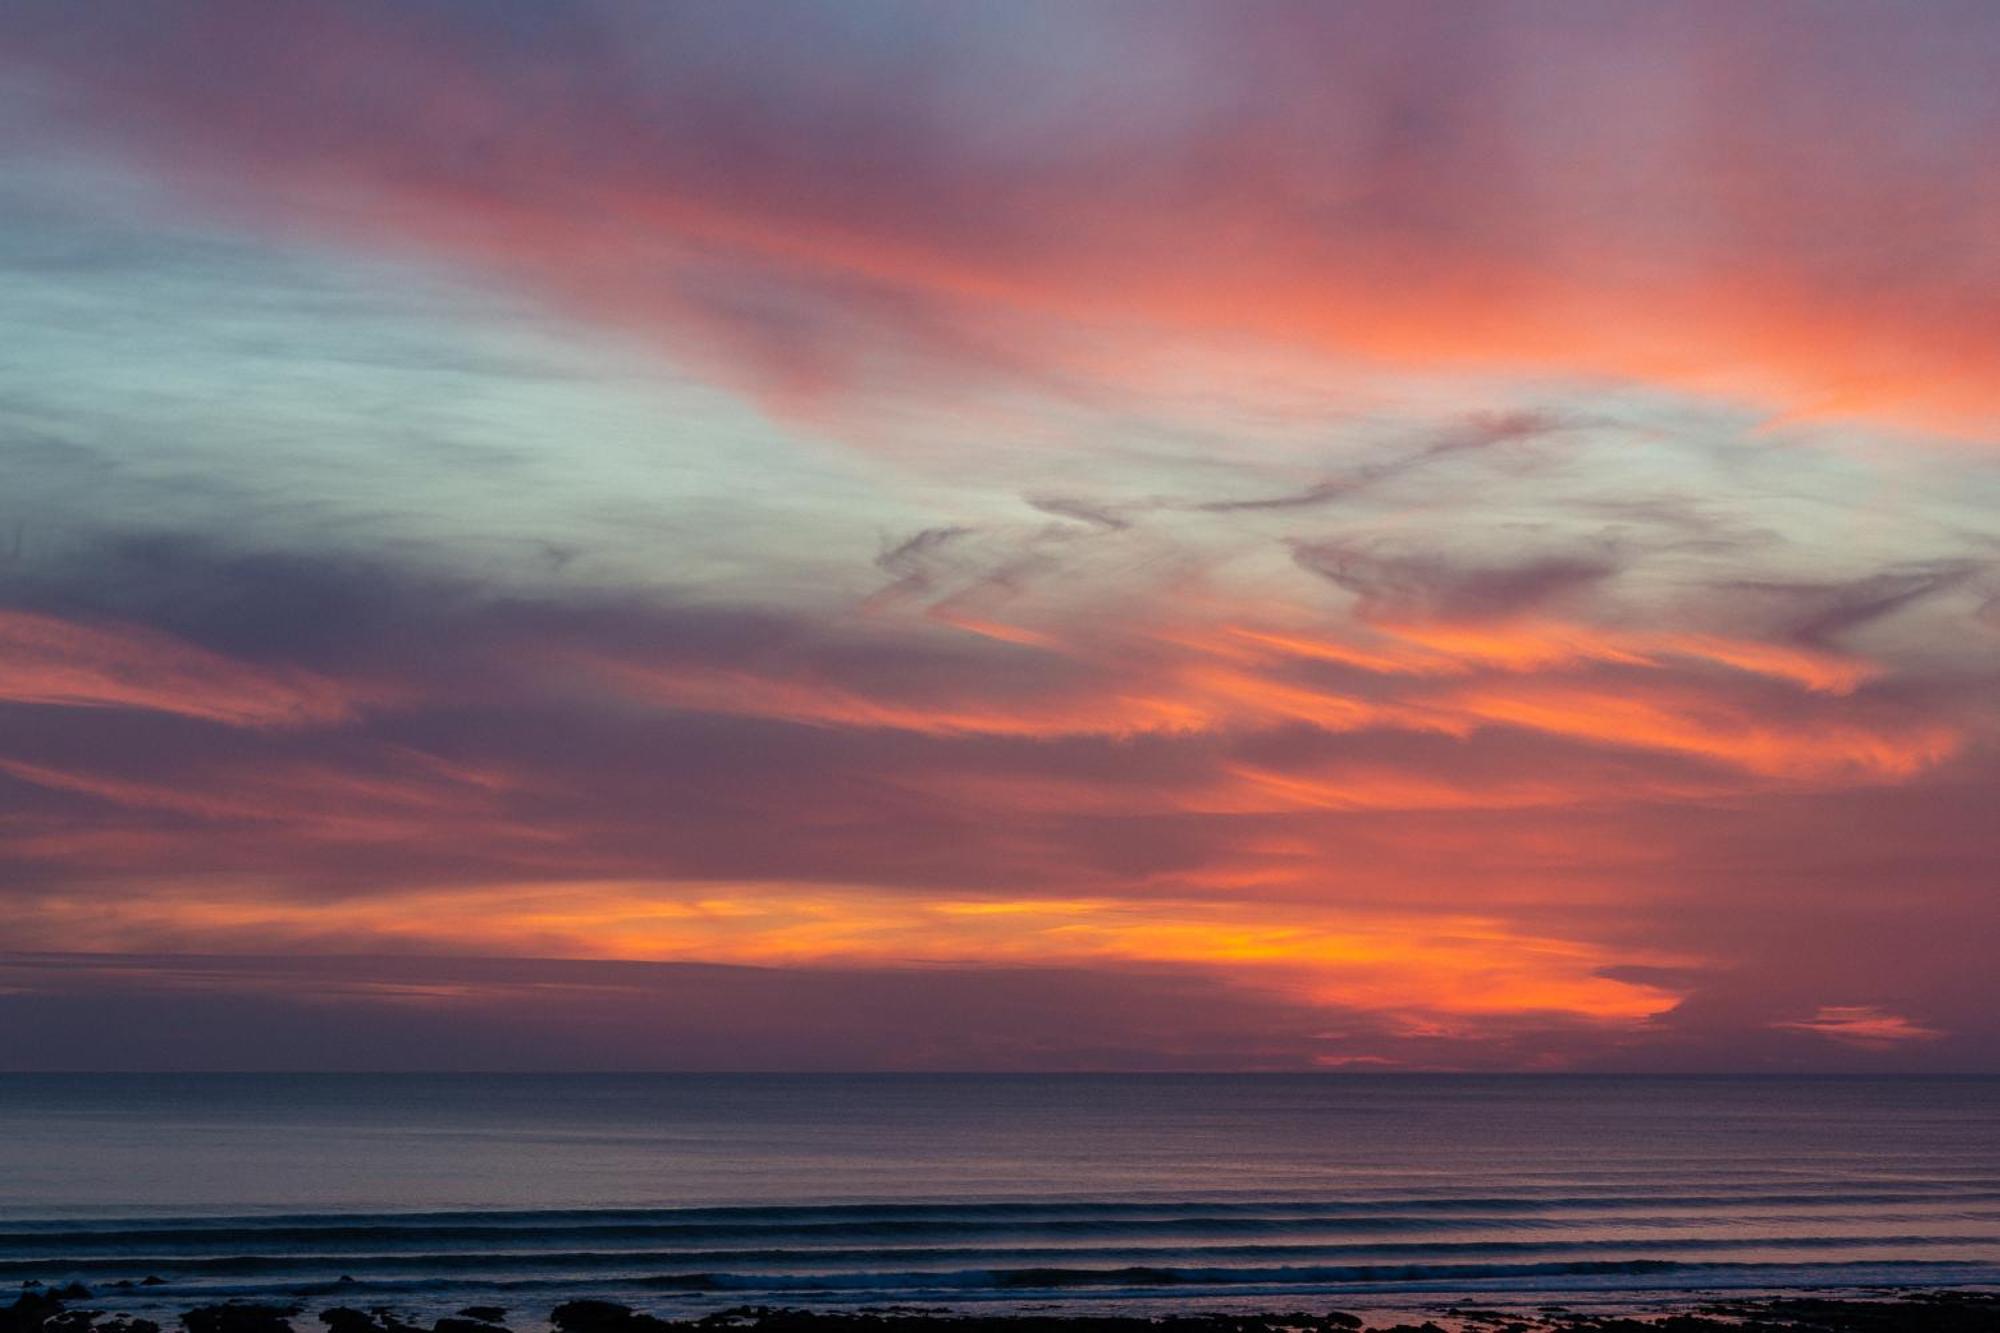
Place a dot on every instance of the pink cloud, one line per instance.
(50, 661)
(1863, 1025)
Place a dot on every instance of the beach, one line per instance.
(40, 1310)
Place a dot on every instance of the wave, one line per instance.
(865, 1220)
(1138, 1281)
(587, 1261)
(1001, 1250)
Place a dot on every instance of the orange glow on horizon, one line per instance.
(1442, 965)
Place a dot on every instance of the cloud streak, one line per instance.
(50, 661)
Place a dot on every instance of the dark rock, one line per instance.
(236, 1317)
(375, 1319)
(341, 1319)
(150, 1281)
(71, 1321)
(1907, 1312)
(30, 1312)
(450, 1325)
(603, 1317)
(485, 1314)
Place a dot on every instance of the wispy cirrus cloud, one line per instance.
(1862, 1025)
(51, 661)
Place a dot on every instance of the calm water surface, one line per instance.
(684, 1193)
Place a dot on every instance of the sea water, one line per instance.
(687, 1193)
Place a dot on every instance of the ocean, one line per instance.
(690, 1193)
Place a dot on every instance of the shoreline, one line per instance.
(1948, 1310)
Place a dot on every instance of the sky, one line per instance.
(1002, 535)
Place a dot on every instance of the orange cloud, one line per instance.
(1445, 648)
(1529, 646)
(1189, 679)
(1439, 965)
(1682, 721)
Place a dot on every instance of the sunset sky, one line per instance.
(1000, 535)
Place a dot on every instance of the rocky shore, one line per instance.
(73, 1310)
